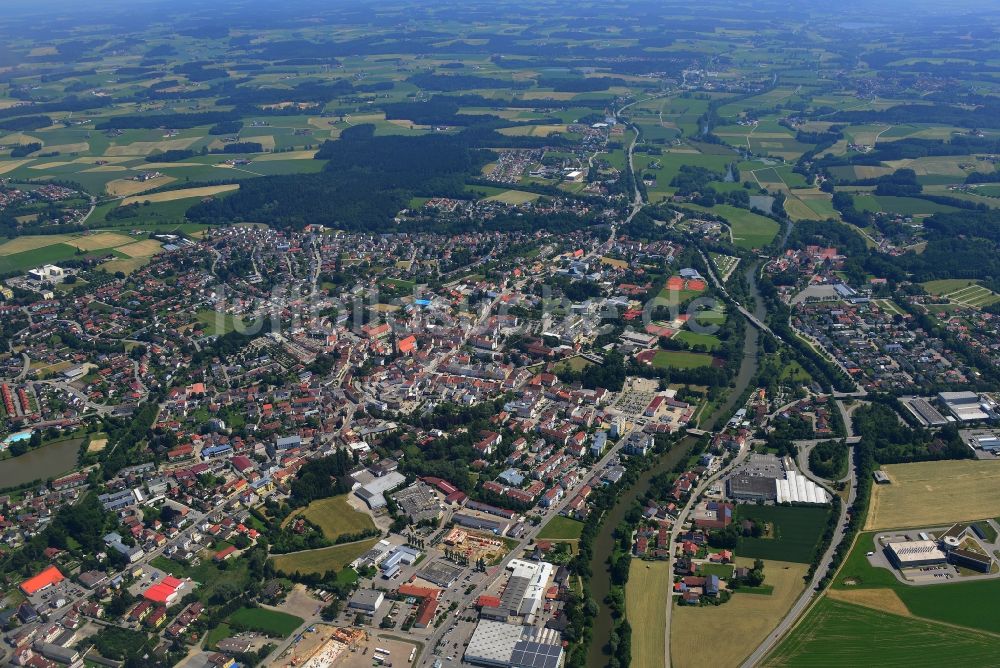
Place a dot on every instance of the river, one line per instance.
(600, 583)
(48, 461)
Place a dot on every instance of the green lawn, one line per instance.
(724, 571)
(220, 632)
(561, 528)
(796, 532)
(680, 359)
(835, 634)
(273, 623)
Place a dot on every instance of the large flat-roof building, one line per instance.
(965, 406)
(514, 646)
(915, 553)
(924, 412)
(743, 487)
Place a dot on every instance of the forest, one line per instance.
(397, 168)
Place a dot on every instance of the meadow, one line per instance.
(335, 558)
(335, 517)
(561, 528)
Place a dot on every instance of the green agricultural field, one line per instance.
(907, 206)
(794, 532)
(561, 528)
(35, 258)
(835, 634)
(271, 622)
(680, 359)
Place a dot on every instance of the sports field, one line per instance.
(679, 359)
(335, 517)
(794, 532)
(271, 622)
(709, 341)
(746, 620)
(932, 493)
(645, 605)
(836, 634)
(334, 558)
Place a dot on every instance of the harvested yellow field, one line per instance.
(145, 248)
(797, 210)
(43, 51)
(946, 166)
(646, 596)
(20, 138)
(878, 599)
(934, 493)
(78, 147)
(124, 265)
(547, 95)
(183, 193)
(266, 141)
(532, 130)
(11, 165)
(287, 155)
(409, 125)
(125, 187)
(746, 618)
(27, 243)
(100, 240)
(365, 118)
(618, 264)
(144, 148)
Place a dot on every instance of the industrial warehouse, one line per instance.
(767, 478)
(940, 555)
